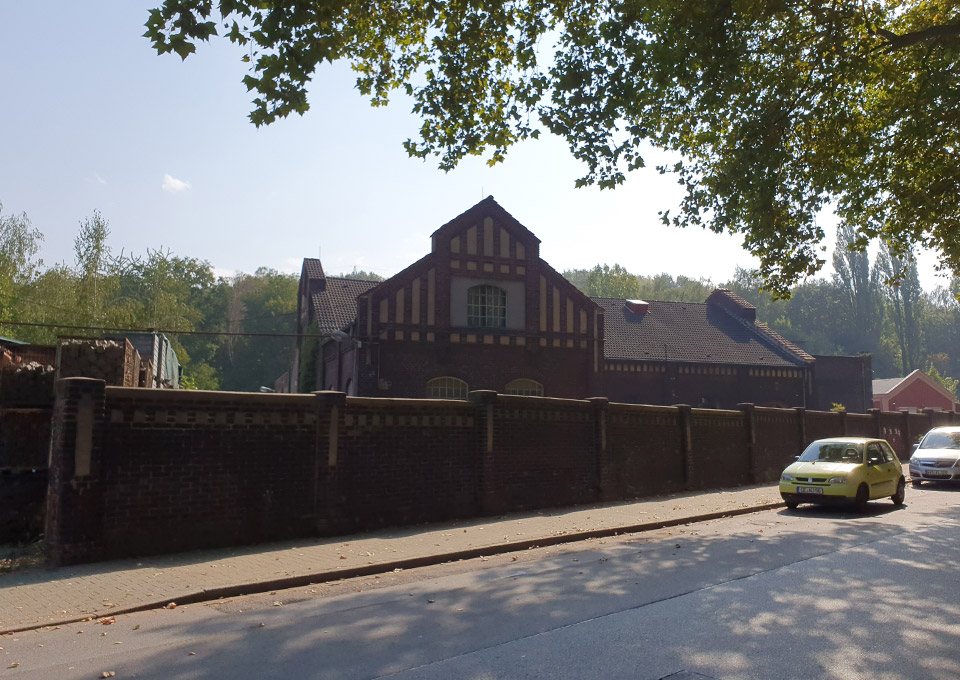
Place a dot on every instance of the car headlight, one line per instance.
(786, 477)
(837, 480)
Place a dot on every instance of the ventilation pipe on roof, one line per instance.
(638, 307)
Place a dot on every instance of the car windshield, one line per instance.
(941, 440)
(833, 452)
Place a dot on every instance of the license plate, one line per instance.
(936, 473)
(809, 489)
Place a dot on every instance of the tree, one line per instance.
(612, 282)
(777, 108)
(265, 303)
(92, 257)
(19, 246)
(860, 295)
(361, 275)
(905, 295)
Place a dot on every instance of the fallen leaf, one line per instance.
(172, 605)
(14, 665)
(192, 654)
(431, 601)
(110, 620)
(108, 674)
(137, 627)
(278, 603)
(262, 624)
(343, 557)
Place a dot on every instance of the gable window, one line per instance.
(524, 387)
(486, 307)
(446, 387)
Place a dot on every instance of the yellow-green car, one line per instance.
(843, 470)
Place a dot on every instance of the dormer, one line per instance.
(733, 304)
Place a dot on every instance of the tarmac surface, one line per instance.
(36, 598)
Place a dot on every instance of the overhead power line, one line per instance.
(103, 329)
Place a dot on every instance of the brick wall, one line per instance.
(137, 471)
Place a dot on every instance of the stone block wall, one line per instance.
(114, 361)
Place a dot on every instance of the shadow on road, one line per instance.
(772, 594)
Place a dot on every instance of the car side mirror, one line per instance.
(915, 447)
(796, 457)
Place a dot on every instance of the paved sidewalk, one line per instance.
(37, 598)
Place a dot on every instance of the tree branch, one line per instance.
(898, 42)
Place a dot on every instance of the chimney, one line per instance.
(638, 307)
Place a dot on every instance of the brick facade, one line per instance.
(391, 339)
(415, 326)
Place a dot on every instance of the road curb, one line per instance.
(255, 587)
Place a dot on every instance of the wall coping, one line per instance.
(400, 401)
(643, 408)
(146, 394)
(735, 413)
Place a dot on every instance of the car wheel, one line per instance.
(901, 492)
(863, 495)
(915, 483)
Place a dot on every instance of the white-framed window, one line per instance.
(447, 387)
(524, 387)
(486, 307)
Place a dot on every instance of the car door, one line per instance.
(878, 472)
(893, 465)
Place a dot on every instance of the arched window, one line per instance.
(524, 387)
(486, 307)
(446, 388)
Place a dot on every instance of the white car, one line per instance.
(937, 457)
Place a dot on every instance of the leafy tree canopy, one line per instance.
(778, 108)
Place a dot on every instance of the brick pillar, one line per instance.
(877, 425)
(906, 436)
(489, 499)
(685, 418)
(801, 429)
(606, 474)
(328, 502)
(74, 521)
(749, 415)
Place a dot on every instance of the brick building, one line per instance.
(482, 310)
(914, 392)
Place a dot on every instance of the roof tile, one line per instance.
(336, 307)
(684, 331)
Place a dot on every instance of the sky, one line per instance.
(93, 119)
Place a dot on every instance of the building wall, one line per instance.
(413, 327)
(701, 385)
(917, 396)
(483, 361)
(843, 380)
(135, 472)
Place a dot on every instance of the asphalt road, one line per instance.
(812, 593)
